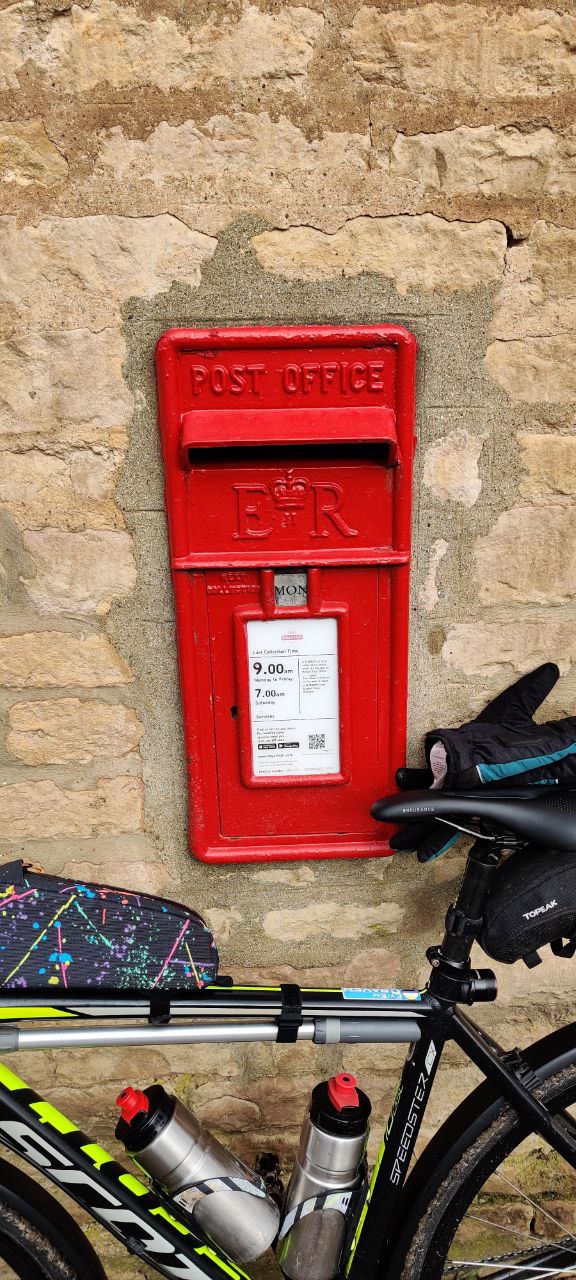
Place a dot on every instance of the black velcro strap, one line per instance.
(291, 1017)
(566, 949)
(460, 925)
(159, 1008)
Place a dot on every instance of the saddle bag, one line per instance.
(56, 934)
(532, 904)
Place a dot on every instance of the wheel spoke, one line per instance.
(527, 1269)
(500, 1226)
(529, 1199)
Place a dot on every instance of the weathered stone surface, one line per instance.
(76, 272)
(79, 573)
(550, 462)
(374, 967)
(44, 659)
(248, 163)
(120, 46)
(69, 488)
(230, 1114)
(260, 44)
(535, 321)
(483, 648)
(529, 556)
(44, 811)
(141, 877)
(429, 594)
(298, 877)
(425, 252)
(482, 51)
(451, 468)
(535, 370)
(64, 730)
(223, 921)
(297, 924)
(538, 294)
(27, 154)
(488, 161)
(44, 382)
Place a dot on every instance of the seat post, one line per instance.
(451, 960)
(464, 917)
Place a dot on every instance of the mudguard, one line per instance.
(44, 1211)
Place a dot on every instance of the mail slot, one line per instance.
(288, 475)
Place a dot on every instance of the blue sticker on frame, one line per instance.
(379, 993)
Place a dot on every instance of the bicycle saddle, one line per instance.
(547, 820)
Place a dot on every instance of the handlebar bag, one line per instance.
(56, 934)
(532, 904)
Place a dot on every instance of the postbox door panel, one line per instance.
(297, 711)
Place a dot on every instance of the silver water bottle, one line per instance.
(226, 1199)
(329, 1168)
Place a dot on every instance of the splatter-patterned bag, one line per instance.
(57, 933)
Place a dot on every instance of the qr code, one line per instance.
(316, 741)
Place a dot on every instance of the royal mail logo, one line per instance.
(260, 508)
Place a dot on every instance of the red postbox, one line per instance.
(288, 461)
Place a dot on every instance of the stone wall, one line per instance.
(223, 163)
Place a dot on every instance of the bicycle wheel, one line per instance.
(27, 1254)
(38, 1238)
(504, 1210)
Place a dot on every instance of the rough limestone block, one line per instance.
(451, 468)
(484, 648)
(44, 659)
(299, 923)
(64, 730)
(424, 252)
(465, 49)
(538, 294)
(69, 488)
(140, 877)
(28, 155)
(528, 556)
(248, 162)
(79, 573)
(550, 462)
(535, 370)
(44, 382)
(122, 47)
(44, 811)
(76, 272)
(488, 161)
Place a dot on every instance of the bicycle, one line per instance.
(409, 1224)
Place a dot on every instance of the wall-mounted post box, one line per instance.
(288, 461)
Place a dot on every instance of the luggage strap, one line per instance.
(560, 948)
(290, 1019)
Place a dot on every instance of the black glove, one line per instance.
(501, 745)
(429, 839)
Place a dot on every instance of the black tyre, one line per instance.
(38, 1238)
(26, 1253)
(506, 1208)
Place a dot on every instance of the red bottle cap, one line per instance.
(132, 1102)
(342, 1092)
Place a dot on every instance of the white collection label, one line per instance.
(294, 697)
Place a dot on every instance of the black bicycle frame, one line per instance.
(147, 1223)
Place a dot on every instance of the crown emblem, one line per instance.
(289, 491)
